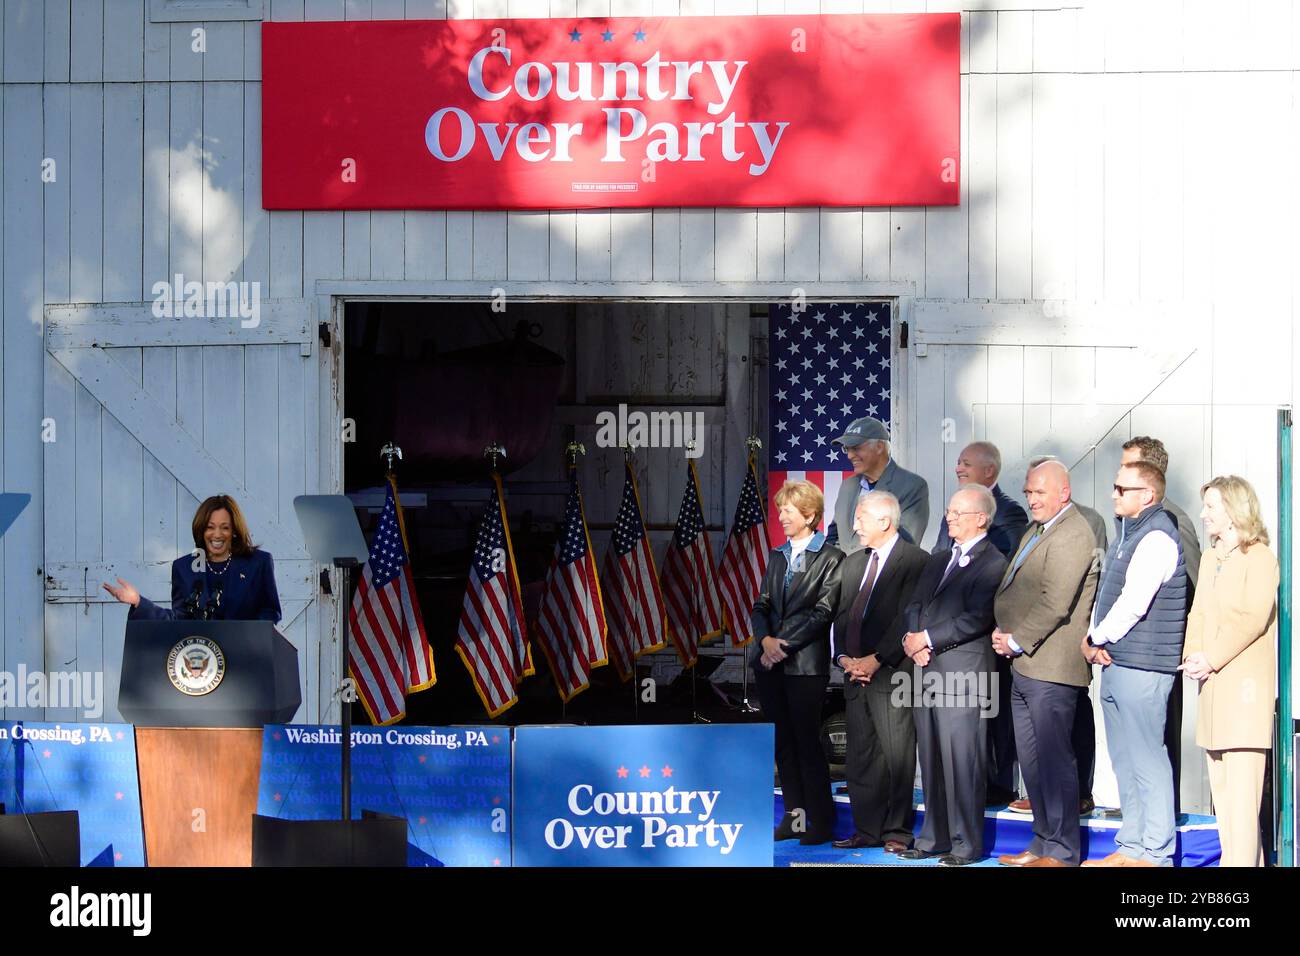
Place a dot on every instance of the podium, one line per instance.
(208, 674)
(198, 693)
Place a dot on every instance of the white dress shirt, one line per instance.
(1153, 563)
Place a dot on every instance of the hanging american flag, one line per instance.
(390, 655)
(491, 638)
(690, 583)
(827, 365)
(744, 560)
(633, 599)
(571, 619)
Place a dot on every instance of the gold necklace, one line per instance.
(1221, 560)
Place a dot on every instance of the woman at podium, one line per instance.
(226, 577)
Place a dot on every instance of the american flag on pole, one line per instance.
(690, 583)
(827, 365)
(633, 600)
(390, 655)
(571, 619)
(491, 638)
(744, 560)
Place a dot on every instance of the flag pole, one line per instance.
(572, 450)
(629, 460)
(388, 453)
(493, 451)
(752, 444)
(694, 666)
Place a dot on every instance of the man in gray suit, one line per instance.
(866, 445)
(1042, 611)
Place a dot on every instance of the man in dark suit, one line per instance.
(948, 623)
(980, 462)
(875, 583)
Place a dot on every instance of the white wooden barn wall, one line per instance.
(1131, 157)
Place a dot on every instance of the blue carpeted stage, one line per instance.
(1004, 832)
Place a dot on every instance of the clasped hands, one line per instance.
(917, 648)
(1095, 655)
(860, 670)
(773, 651)
(1197, 666)
(1002, 643)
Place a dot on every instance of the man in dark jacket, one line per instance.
(880, 767)
(948, 624)
(980, 462)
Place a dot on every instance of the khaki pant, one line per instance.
(1237, 785)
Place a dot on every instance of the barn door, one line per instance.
(1080, 403)
(145, 417)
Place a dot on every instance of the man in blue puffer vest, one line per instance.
(1136, 634)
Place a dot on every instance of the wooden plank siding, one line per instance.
(1123, 241)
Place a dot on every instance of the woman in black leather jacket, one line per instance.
(791, 660)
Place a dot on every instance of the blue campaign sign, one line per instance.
(451, 784)
(691, 795)
(89, 768)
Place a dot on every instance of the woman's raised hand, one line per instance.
(124, 592)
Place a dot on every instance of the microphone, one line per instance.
(192, 603)
(214, 602)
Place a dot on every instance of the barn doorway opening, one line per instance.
(443, 379)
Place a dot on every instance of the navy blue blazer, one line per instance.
(247, 591)
(1009, 524)
(958, 612)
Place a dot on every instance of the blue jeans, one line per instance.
(1134, 703)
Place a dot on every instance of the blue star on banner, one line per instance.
(828, 365)
(574, 35)
(640, 36)
(608, 35)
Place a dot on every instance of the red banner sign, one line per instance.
(800, 110)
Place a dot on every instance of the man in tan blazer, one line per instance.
(1042, 611)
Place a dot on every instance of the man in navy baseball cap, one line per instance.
(866, 446)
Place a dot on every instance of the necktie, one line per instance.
(952, 563)
(859, 608)
(1029, 546)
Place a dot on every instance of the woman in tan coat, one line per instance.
(1231, 651)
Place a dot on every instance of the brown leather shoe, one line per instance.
(1115, 859)
(855, 842)
(895, 846)
(1020, 806)
(1047, 861)
(1086, 806)
(1023, 858)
